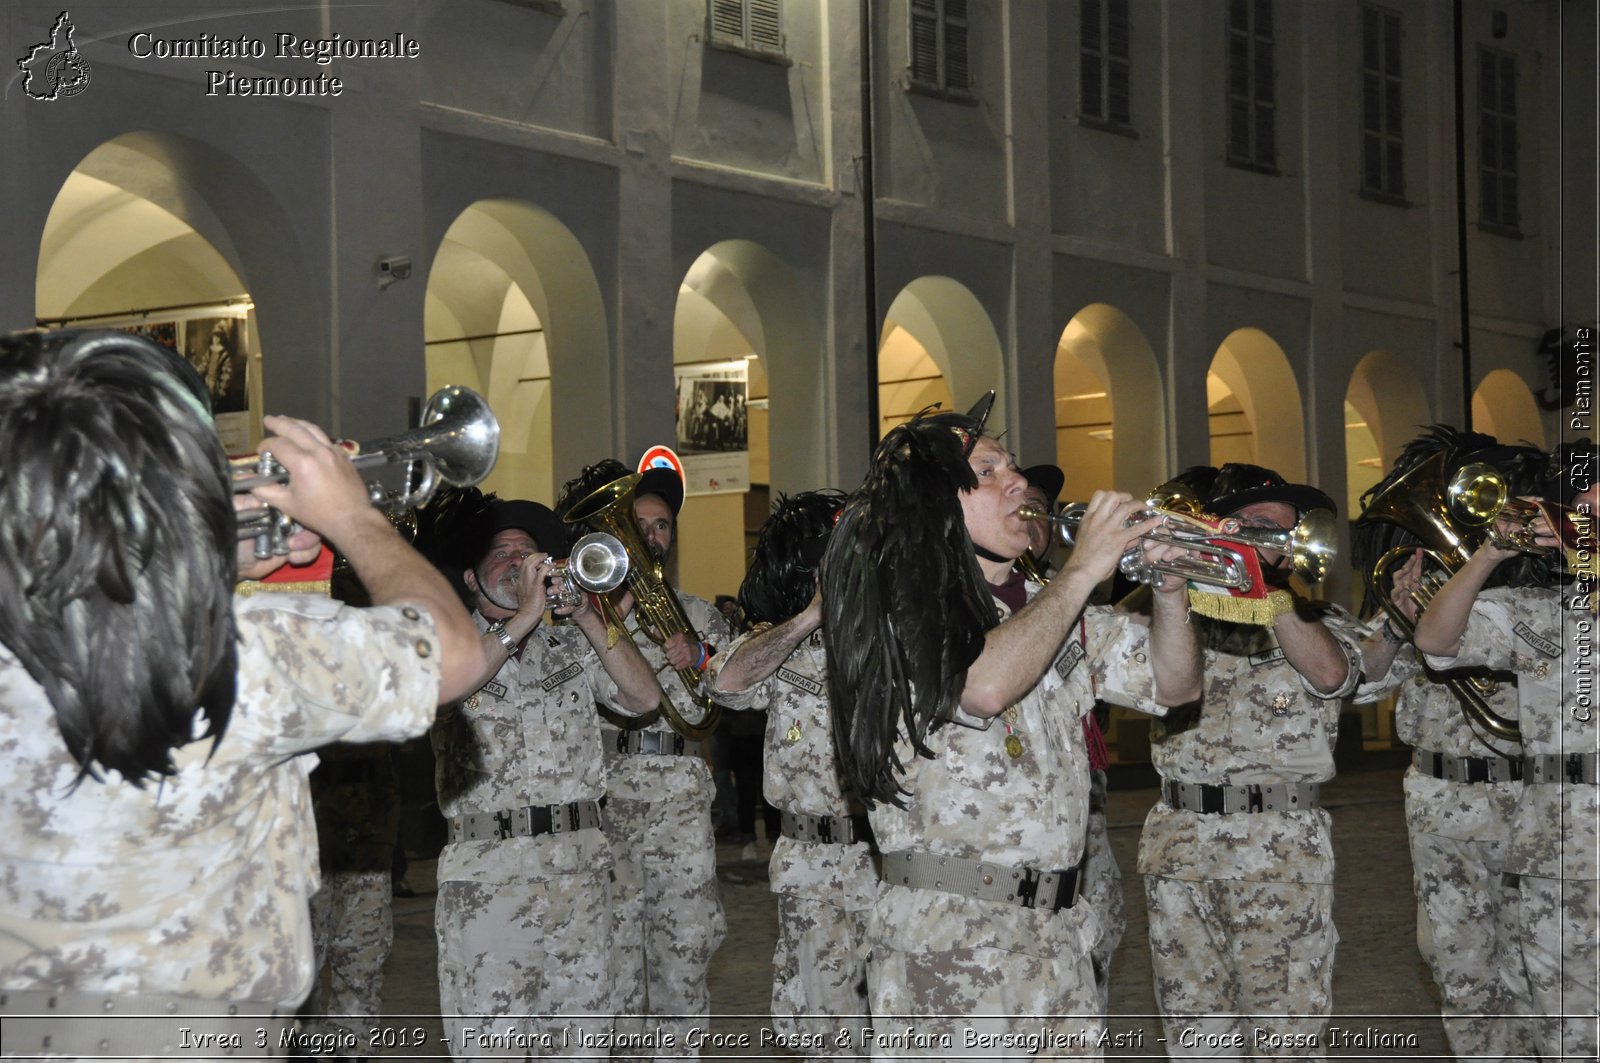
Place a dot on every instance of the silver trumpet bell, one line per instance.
(597, 564)
(1310, 544)
(457, 443)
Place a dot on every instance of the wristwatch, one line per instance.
(498, 630)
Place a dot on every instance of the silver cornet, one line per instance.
(597, 564)
(1309, 545)
(457, 444)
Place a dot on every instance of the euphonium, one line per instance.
(457, 443)
(610, 510)
(1424, 505)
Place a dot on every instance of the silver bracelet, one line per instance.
(498, 630)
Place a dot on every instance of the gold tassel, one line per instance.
(1258, 611)
(246, 588)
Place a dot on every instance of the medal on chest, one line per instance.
(1013, 743)
(792, 735)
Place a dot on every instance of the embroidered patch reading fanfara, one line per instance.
(553, 681)
(1069, 659)
(1537, 641)
(810, 686)
(1266, 657)
(497, 689)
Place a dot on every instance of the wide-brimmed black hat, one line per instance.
(1047, 478)
(537, 520)
(1238, 485)
(664, 482)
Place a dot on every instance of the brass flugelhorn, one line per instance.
(1424, 504)
(457, 444)
(610, 510)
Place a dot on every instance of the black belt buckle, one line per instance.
(1254, 798)
(572, 816)
(825, 828)
(1028, 888)
(1477, 769)
(502, 825)
(622, 741)
(1211, 801)
(1067, 893)
(1574, 767)
(1437, 770)
(1513, 770)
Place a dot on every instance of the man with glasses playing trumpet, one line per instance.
(156, 842)
(1546, 636)
(1238, 854)
(524, 914)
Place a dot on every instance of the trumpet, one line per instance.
(1478, 497)
(597, 564)
(457, 443)
(1211, 542)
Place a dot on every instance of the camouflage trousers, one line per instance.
(1469, 934)
(1243, 969)
(1102, 890)
(819, 984)
(1560, 953)
(524, 968)
(352, 929)
(667, 916)
(982, 1003)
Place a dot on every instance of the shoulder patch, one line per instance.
(810, 686)
(496, 689)
(1545, 646)
(1069, 658)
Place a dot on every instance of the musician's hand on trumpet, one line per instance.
(324, 496)
(1106, 531)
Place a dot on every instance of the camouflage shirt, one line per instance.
(1428, 716)
(1259, 722)
(198, 885)
(529, 736)
(657, 778)
(802, 775)
(1551, 649)
(975, 800)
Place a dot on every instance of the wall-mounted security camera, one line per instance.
(391, 268)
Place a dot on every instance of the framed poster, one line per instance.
(714, 426)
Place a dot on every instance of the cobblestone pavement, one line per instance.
(1381, 987)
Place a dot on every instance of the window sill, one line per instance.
(1089, 121)
(1265, 169)
(759, 54)
(922, 88)
(1509, 232)
(1387, 199)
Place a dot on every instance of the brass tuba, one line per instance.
(610, 510)
(1425, 505)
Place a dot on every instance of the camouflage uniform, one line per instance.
(825, 889)
(1555, 830)
(196, 886)
(1241, 905)
(668, 916)
(1102, 889)
(523, 923)
(356, 799)
(945, 963)
(1468, 929)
